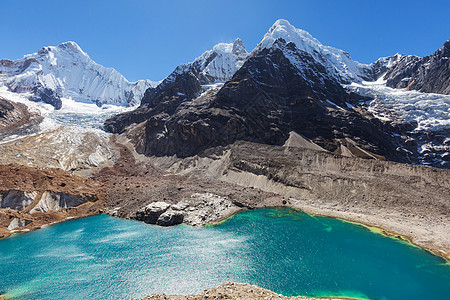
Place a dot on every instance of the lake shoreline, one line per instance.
(234, 290)
(401, 200)
(344, 216)
(274, 215)
(348, 217)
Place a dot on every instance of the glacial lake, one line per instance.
(284, 250)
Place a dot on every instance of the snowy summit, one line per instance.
(218, 64)
(66, 71)
(338, 62)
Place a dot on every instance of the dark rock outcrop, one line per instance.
(430, 74)
(385, 64)
(150, 213)
(5, 108)
(47, 95)
(159, 213)
(15, 119)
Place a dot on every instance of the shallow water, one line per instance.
(287, 251)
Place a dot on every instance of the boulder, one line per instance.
(170, 218)
(150, 213)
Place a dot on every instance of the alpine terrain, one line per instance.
(291, 122)
(292, 83)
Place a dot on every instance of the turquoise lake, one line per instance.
(284, 250)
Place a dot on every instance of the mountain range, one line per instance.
(291, 123)
(288, 84)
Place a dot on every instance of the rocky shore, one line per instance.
(399, 199)
(230, 290)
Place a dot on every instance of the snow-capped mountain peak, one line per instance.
(209, 70)
(283, 29)
(69, 46)
(218, 64)
(337, 61)
(239, 48)
(66, 71)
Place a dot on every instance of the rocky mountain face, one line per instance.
(280, 88)
(15, 118)
(65, 71)
(430, 74)
(189, 80)
(289, 83)
(10, 114)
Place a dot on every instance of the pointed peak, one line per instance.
(66, 46)
(445, 49)
(238, 41)
(70, 46)
(238, 47)
(337, 61)
(283, 29)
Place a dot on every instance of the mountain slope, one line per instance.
(65, 71)
(430, 74)
(205, 74)
(189, 80)
(280, 88)
(290, 83)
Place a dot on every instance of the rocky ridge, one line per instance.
(429, 74)
(204, 75)
(16, 119)
(267, 98)
(189, 80)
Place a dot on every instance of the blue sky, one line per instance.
(148, 39)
